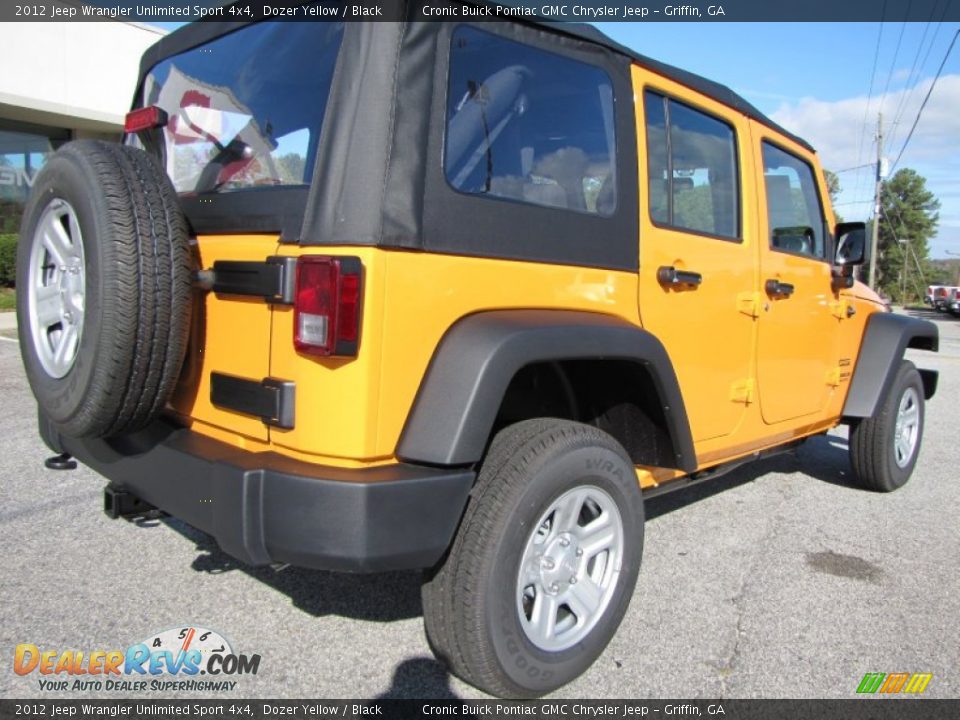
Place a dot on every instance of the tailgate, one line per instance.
(230, 335)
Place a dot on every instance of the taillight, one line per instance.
(145, 118)
(326, 308)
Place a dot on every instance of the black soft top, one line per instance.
(710, 88)
(200, 32)
(382, 151)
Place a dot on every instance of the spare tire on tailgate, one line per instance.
(103, 289)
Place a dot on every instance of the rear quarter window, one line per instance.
(527, 125)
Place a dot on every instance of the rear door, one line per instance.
(799, 330)
(697, 251)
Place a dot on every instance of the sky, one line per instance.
(815, 80)
(826, 82)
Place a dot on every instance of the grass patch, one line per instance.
(8, 299)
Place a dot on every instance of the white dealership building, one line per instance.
(61, 81)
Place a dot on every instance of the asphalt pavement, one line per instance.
(778, 580)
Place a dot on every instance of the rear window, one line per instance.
(246, 110)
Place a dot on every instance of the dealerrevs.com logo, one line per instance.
(172, 660)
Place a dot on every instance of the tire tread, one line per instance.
(871, 438)
(144, 266)
(454, 612)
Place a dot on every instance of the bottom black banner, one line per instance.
(854, 709)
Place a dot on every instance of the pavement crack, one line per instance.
(727, 665)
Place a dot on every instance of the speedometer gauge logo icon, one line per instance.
(180, 640)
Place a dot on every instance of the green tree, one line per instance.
(833, 185)
(833, 188)
(693, 208)
(292, 167)
(909, 212)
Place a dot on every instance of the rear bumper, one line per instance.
(264, 507)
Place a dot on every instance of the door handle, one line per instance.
(668, 275)
(775, 288)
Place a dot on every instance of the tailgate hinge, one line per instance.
(272, 400)
(273, 279)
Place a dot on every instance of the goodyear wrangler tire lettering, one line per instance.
(103, 289)
(509, 608)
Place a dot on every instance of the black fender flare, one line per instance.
(458, 400)
(885, 339)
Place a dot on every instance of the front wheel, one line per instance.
(884, 448)
(544, 564)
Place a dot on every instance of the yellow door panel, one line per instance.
(708, 329)
(231, 336)
(709, 340)
(798, 338)
(798, 332)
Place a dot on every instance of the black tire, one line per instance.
(138, 274)
(470, 600)
(873, 441)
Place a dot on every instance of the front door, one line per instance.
(798, 329)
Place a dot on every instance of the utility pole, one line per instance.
(875, 236)
(905, 244)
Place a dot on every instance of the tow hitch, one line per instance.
(118, 503)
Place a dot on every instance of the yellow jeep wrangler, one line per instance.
(454, 296)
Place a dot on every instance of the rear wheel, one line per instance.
(884, 448)
(545, 561)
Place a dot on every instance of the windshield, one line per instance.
(246, 109)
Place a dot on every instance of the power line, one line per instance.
(853, 202)
(911, 79)
(907, 253)
(924, 103)
(855, 167)
(923, 63)
(896, 52)
(906, 99)
(895, 206)
(873, 74)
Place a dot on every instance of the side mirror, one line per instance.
(851, 244)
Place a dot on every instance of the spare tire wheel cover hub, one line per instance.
(57, 288)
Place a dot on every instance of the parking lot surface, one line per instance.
(778, 580)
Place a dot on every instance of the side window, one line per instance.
(528, 125)
(794, 210)
(691, 169)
